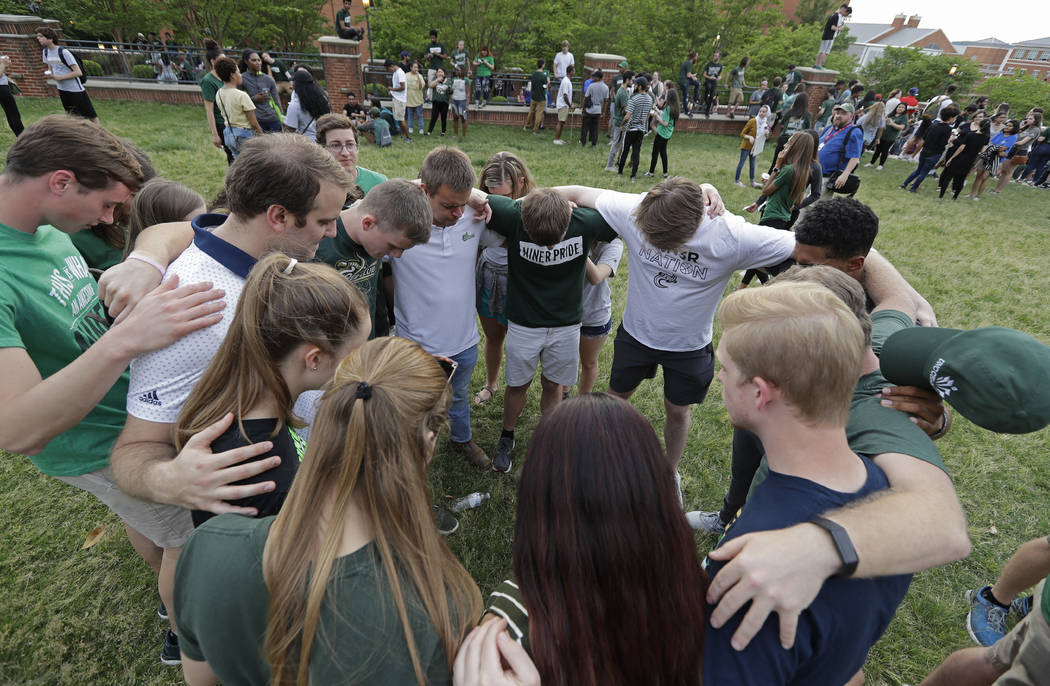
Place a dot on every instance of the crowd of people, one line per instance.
(256, 388)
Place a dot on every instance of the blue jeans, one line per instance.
(234, 137)
(459, 411)
(740, 164)
(684, 86)
(414, 114)
(271, 126)
(926, 165)
(1037, 159)
(481, 90)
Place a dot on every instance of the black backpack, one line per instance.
(62, 56)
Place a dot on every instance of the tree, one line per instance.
(785, 44)
(117, 19)
(815, 11)
(288, 24)
(907, 67)
(1022, 91)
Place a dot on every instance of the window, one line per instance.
(1044, 56)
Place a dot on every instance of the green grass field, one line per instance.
(72, 616)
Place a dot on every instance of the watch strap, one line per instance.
(843, 544)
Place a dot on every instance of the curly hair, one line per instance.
(844, 227)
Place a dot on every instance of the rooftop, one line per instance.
(905, 37)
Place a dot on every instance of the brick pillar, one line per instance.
(342, 68)
(607, 63)
(18, 41)
(818, 82)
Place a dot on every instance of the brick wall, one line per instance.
(18, 41)
(342, 68)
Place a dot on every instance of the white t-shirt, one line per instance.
(672, 296)
(161, 381)
(597, 299)
(398, 79)
(564, 89)
(562, 61)
(301, 120)
(434, 298)
(53, 59)
(944, 103)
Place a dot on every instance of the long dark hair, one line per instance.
(799, 106)
(212, 52)
(311, 97)
(603, 555)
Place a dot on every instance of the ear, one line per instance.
(426, 191)
(854, 265)
(279, 218)
(312, 357)
(60, 181)
(369, 222)
(765, 392)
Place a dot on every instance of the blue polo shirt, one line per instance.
(831, 141)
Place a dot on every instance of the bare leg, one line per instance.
(966, 667)
(557, 130)
(550, 396)
(146, 549)
(1005, 172)
(857, 680)
(1028, 566)
(589, 350)
(495, 334)
(513, 403)
(166, 582)
(676, 430)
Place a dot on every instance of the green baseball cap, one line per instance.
(623, 64)
(845, 107)
(997, 378)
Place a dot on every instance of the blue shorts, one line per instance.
(596, 331)
(459, 108)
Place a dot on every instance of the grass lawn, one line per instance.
(87, 616)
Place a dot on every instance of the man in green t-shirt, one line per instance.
(547, 247)
(539, 82)
(63, 368)
(617, 112)
(737, 86)
(434, 55)
(687, 78)
(344, 26)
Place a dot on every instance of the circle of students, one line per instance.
(235, 363)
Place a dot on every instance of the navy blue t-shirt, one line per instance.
(836, 631)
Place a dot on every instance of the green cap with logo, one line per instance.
(996, 377)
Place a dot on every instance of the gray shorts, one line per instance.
(556, 348)
(168, 526)
(825, 46)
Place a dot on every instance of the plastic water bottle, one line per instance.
(469, 502)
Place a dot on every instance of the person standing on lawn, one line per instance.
(960, 157)
(262, 89)
(616, 119)
(210, 85)
(562, 61)
(665, 122)
(596, 93)
(840, 147)
(564, 103)
(935, 142)
(635, 122)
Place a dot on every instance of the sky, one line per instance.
(962, 20)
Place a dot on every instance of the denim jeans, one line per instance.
(459, 411)
(745, 154)
(926, 164)
(414, 114)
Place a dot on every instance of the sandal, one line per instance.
(480, 399)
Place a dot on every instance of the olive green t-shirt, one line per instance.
(221, 601)
(537, 82)
(354, 263)
(545, 285)
(778, 205)
(49, 307)
(96, 251)
(210, 85)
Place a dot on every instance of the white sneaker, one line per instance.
(610, 168)
(869, 164)
(740, 183)
(878, 168)
(708, 522)
(559, 142)
(677, 475)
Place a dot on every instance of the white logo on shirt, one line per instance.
(566, 251)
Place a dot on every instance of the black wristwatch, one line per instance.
(843, 545)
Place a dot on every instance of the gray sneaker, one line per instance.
(503, 456)
(708, 522)
(1021, 606)
(446, 522)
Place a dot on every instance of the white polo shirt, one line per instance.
(398, 79)
(162, 380)
(562, 61)
(672, 296)
(434, 297)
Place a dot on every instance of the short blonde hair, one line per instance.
(801, 338)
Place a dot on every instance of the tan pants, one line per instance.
(1025, 652)
(535, 116)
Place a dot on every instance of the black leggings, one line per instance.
(710, 96)
(659, 148)
(954, 173)
(747, 455)
(882, 150)
(7, 101)
(633, 142)
(589, 129)
(438, 109)
(765, 274)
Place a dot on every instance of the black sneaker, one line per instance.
(170, 654)
(162, 611)
(504, 454)
(445, 521)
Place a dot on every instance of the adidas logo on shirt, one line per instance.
(150, 398)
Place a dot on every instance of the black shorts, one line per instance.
(77, 103)
(687, 375)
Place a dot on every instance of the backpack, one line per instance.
(62, 56)
(933, 106)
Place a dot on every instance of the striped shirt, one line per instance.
(639, 106)
(506, 603)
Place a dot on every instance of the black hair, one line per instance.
(596, 74)
(950, 89)
(311, 97)
(949, 111)
(212, 51)
(434, 32)
(540, 62)
(628, 75)
(844, 227)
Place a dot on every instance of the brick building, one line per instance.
(871, 40)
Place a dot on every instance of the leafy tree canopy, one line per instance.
(906, 67)
(1022, 91)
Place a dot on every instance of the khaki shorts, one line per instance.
(736, 96)
(563, 114)
(1024, 653)
(399, 110)
(556, 348)
(167, 526)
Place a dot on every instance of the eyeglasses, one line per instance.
(339, 147)
(448, 366)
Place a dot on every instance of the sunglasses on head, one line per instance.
(447, 365)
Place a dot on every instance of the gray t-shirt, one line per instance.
(53, 58)
(598, 92)
(597, 299)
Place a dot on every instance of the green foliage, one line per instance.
(118, 19)
(92, 68)
(1022, 91)
(785, 44)
(14, 7)
(906, 67)
(816, 11)
(143, 71)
